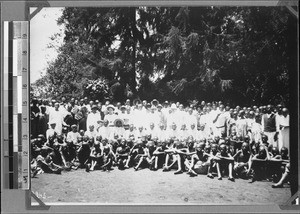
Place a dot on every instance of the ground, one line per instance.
(145, 187)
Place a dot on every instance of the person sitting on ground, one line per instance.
(160, 154)
(274, 165)
(198, 156)
(107, 158)
(84, 152)
(140, 154)
(284, 178)
(122, 154)
(95, 156)
(45, 163)
(58, 156)
(151, 157)
(258, 164)
(176, 154)
(242, 158)
(213, 160)
(225, 162)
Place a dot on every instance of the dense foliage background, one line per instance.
(240, 55)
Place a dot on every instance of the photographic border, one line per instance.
(19, 11)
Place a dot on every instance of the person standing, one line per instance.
(284, 129)
(93, 118)
(57, 116)
(269, 126)
(220, 121)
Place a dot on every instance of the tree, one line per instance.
(237, 54)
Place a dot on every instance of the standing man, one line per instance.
(284, 129)
(269, 125)
(220, 121)
(58, 117)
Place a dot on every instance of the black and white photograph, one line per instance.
(162, 105)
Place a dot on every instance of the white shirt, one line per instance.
(283, 121)
(92, 119)
(105, 132)
(90, 134)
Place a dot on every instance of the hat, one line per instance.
(123, 107)
(74, 126)
(154, 102)
(159, 106)
(166, 102)
(136, 101)
(173, 106)
(118, 123)
(94, 107)
(110, 106)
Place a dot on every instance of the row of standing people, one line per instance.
(212, 119)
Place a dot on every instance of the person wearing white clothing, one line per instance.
(192, 131)
(190, 118)
(91, 133)
(220, 121)
(284, 129)
(57, 116)
(105, 131)
(93, 118)
(111, 116)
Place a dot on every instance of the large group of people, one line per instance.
(209, 138)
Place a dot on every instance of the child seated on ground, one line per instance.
(140, 154)
(213, 160)
(45, 163)
(186, 155)
(224, 161)
(242, 158)
(284, 178)
(173, 156)
(107, 158)
(151, 157)
(95, 157)
(160, 154)
(122, 154)
(198, 161)
(258, 164)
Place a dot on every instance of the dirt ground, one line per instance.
(153, 187)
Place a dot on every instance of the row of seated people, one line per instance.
(219, 156)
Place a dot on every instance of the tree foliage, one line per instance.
(238, 54)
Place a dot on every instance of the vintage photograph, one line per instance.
(162, 105)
